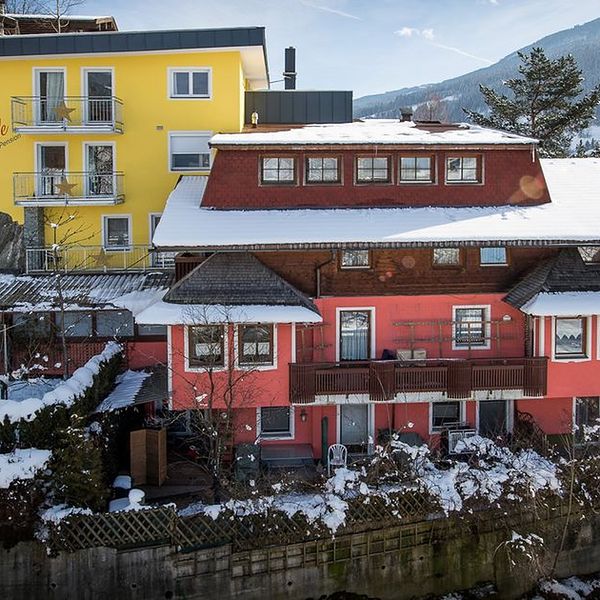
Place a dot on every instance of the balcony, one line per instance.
(96, 259)
(73, 114)
(62, 188)
(383, 380)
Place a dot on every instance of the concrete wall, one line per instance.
(394, 563)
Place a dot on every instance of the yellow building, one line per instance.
(96, 128)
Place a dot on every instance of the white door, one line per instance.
(99, 170)
(99, 94)
(50, 94)
(52, 163)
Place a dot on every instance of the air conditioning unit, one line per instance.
(404, 354)
(419, 354)
(455, 436)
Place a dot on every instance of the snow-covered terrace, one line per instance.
(573, 217)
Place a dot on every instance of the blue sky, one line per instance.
(368, 46)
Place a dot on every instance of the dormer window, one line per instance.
(463, 169)
(278, 170)
(373, 169)
(416, 169)
(322, 170)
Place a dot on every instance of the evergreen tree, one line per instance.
(546, 102)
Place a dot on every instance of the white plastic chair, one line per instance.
(337, 456)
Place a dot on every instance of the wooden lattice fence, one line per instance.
(161, 526)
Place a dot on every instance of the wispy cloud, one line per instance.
(487, 61)
(429, 36)
(327, 9)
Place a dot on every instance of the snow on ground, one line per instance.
(497, 472)
(572, 588)
(128, 386)
(497, 469)
(22, 464)
(65, 393)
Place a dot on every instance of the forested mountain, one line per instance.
(450, 96)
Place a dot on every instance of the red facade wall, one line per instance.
(510, 176)
(141, 353)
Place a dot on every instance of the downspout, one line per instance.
(318, 272)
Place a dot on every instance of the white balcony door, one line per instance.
(52, 163)
(100, 177)
(50, 94)
(355, 334)
(99, 97)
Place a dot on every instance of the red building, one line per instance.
(354, 280)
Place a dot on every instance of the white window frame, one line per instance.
(190, 70)
(105, 229)
(480, 157)
(207, 134)
(186, 349)
(462, 412)
(340, 309)
(257, 367)
(344, 267)
(588, 341)
(493, 264)
(267, 437)
(487, 329)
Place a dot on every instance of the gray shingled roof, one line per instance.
(565, 272)
(84, 290)
(236, 279)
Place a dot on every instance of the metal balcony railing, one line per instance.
(384, 379)
(96, 258)
(55, 187)
(34, 114)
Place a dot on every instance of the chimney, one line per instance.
(406, 113)
(289, 74)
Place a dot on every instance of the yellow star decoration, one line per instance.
(62, 111)
(65, 188)
(102, 259)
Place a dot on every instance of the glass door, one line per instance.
(52, 163)
(99, 170)
(492, 418)
(99, 93)
(354, 427)
(50, 96)
(355, 334)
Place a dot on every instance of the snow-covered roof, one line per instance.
(130, 291)
(164, 313)
(125, 392)
(573, 217)
(374, 131)
(563, 304)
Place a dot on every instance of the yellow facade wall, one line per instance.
(141, 152)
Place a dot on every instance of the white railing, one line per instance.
(104, 114)
(97, 258)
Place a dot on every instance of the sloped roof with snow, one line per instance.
(573, 217)
(131, 291)
(374, 131)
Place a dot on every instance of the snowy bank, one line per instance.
(22, 464)
(65, 393)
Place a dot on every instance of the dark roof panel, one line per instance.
(131, 41)
(236, 279)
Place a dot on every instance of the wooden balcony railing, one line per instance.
(384, 379)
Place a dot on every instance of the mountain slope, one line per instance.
(582, 41)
